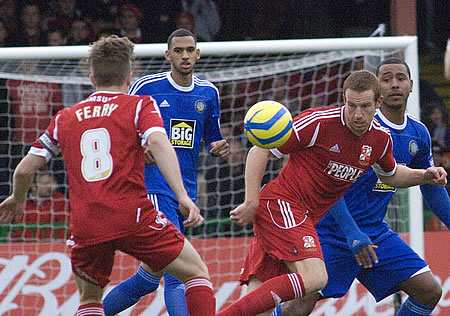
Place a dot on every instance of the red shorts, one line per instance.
(157, 244)
(283, 232)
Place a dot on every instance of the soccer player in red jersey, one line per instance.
(328, 151)
(102, 140)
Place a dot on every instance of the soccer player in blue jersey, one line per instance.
(394, 266)
(190, 109)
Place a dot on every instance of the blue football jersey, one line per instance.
(368, 198)
(190, 114)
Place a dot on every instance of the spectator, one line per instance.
(56, 37)
(48, 208)
(185, 20)
(64, 13)
(8, 15)
(102, 15)
(30, 32)
(130, 17)
(105, 32)
(206, 17)
(5, 39)
(436, 119)
(81, 33)
(31, 107)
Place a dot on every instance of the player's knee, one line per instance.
(320, 279)
(301, 306)
(201, 271)
(432, 295)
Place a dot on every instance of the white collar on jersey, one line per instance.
(389, 123)
(177, 86)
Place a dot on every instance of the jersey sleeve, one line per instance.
(386, 164)
(304, 134)
(148, 119)
(212, 122)
(47, 145)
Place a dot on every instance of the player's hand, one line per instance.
(11, 208)
(244, 213)
(366, 256)
(220, 148)
(148, 158)
(191, 212)
(435, 175)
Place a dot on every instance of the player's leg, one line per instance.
(400, 268)
(90, 298)
(424, 293)
(299, 307)
(162, 248)
(91, 268)
(174, 289)
(285, 255)
(189, 268)
(130, 291)
(342, 270)
(307, 276)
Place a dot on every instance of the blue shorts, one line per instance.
(169, 207)
(397, 263)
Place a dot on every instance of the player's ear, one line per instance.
(167, 55)
(197, 53)
(379, 102)
(411, 84)
(91, 77)
(128, 78)
(344, 99)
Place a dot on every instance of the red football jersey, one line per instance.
(102, 141)
(32, 106)
(326, 158)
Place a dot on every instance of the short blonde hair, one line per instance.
(110, 60)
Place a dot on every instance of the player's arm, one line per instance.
(166, 159)
(404, 177)
(254, 171)
(438, 200)
(23, 176)
(358, 242)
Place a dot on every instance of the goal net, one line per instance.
(36, 82)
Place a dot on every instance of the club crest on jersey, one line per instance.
(413, 147)
(308, 243)
(364, 157)
(200, 106)
(182, 133)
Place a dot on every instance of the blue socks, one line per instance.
(414, 308)
(174, 296)
(129, 292)
(277, 311)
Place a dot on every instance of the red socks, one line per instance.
(200, 298)
(271, 293)
(91, 309)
